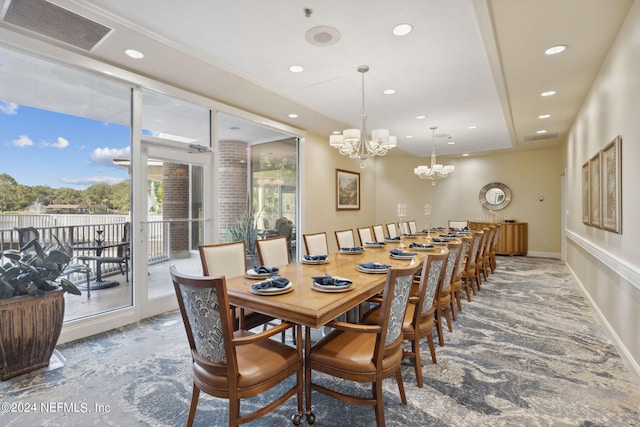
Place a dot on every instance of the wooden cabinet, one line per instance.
(513, 237)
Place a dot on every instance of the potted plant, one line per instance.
(246, 229)
(32, 303)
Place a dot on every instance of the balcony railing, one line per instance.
(85, 229)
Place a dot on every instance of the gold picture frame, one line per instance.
(611, 192)
(586, 191)
(347, 190)
(594, 191)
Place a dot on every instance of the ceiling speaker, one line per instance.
(322, 36)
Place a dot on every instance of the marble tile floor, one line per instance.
(527, 351)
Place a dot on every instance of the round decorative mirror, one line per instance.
(495, 196)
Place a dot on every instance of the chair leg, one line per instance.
(438, 320)
(195, 395)
(403, 396)
(379, 406)
(453, 306)
(432, 348)
(415, 345)
(448, 317)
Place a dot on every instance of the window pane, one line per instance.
(174, 119)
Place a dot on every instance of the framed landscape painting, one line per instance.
(586, 189)
(611, 186)
(594, 193)
(347, 190)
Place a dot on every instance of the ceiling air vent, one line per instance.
(53, 21)
(541, 137)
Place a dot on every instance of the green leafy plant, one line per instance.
(35, 269)
(245, 228)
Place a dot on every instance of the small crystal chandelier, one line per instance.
(356, 144)
(436, 171)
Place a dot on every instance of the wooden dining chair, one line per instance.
(229, 260)
(444, 299)
(378, 232)
(456, 286)
(273, 252)
(494, 247)
(470, 274)
(316, 243)
(419, 317)
(233, 365)
(392, 230)
(364, 353)
(345, 238)
(365, 235)
(486, 252)
(403, 227)
(480, 257)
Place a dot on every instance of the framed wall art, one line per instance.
(611, 186)
(347, 190)
(586, 189)
(594, 191)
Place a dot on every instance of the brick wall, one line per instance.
(175, 183)
(232, 183)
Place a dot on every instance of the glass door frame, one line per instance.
(155, 148)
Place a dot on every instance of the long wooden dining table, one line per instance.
(309, 307)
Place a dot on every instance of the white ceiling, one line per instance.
(466, 62)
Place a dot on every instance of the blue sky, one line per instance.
(40, 147)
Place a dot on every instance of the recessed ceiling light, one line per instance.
(402, 29)
(542, 131)
(389, 91)
(544, 116)
(293, 116)
(554, 50)
(548, 93)
(421, 117)
(409, 136)
(472, 127)
(132, 53)
(465, 154)
(296, 68)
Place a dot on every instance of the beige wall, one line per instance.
(389, 180)
(608, 264)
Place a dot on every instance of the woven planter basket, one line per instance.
(29, 330)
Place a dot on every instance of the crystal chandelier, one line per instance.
(436, 171)
(355, 143)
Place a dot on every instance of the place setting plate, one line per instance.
(351, 252)
(373, 270)
(314, 261)
(375, 245)
(272, 291)
(402, 256)
(251, 274)
(429, 248)
(332, 288)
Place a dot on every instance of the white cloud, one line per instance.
(61, 143)
(93, 180)
(9, 108)
(22, 141)
(105, 156)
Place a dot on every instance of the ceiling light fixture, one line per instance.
(436, 171)
(402, 29)
(355, 143)
(135, 54)
(554, 50)
(544, 116)
(548, 93)
(296, 68)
